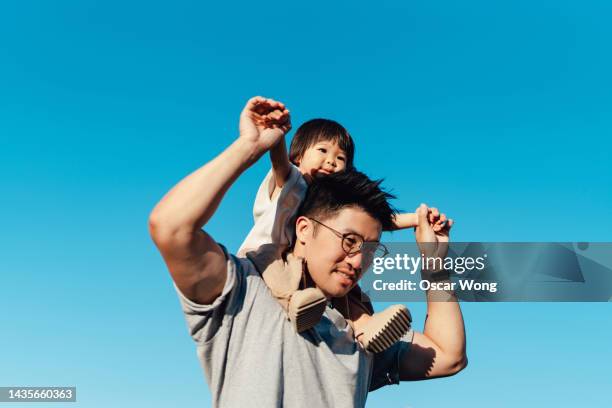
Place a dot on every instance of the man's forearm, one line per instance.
(191, 203)
(444, 323)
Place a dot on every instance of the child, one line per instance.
(319, 147)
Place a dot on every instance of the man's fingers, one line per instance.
(263, 106)
(277, 117)
(448, 225)
(434, 214)
(422, 213)
(444, 231)
(275, 104)
(253, 102)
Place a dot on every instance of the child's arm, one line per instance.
(273, 211)
(280, 163)
(278, 153)
(410, 220)
(404, 220)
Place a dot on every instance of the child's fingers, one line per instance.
(433, 215)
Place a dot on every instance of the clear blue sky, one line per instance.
(498, 112)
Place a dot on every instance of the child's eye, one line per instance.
(341, 158)
(322, 150)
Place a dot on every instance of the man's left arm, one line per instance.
(439, 350)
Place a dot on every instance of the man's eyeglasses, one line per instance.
(353, 243)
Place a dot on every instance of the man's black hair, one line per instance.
(326, 196)
(321, 130)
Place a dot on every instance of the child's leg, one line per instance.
(304, 307)
(282, 281)
(355, 307)
(375, 331)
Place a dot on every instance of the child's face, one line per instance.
(322, 159)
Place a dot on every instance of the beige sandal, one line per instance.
(385, 328)
(306, 308)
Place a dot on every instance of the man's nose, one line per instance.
(356, 261)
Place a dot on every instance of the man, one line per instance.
(250, 353)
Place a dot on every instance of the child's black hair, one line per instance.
(319, 130)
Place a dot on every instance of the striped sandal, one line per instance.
(385, 328)
(306, 308)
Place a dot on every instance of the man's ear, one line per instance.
(303, 229)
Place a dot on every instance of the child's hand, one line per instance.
(264, 122)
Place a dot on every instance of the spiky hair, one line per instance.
(326, 196)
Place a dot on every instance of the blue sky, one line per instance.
(497, 112)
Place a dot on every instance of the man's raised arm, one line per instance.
(195, 261)
(440, 350)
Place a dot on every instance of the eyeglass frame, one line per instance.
(363, 241)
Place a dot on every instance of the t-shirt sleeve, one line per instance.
(386, 363)
(263, 199)
(204, 321)
(275, 216)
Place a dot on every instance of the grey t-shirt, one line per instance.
(252, 356)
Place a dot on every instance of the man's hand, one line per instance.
(432, 232)
(263, 122)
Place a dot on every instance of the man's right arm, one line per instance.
(195, 261)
